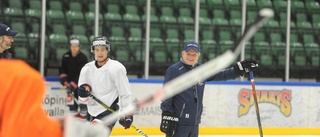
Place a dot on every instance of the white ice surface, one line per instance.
(236, 136)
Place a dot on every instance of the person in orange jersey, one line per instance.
(21, 111)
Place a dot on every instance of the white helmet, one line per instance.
(100, 41)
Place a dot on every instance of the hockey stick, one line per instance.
(256, 102)
(113, 111)
(199, 74)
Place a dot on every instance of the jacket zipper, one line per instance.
(196, 101)
(184, 105)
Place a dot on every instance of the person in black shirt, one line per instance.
(6, 38)
(71, 65)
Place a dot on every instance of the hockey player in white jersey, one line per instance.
(105, 79)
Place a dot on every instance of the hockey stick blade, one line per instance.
(113, 111)
(197, 75)
(254, 92)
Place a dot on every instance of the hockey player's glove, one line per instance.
(84, 92)
(71, 86)
(126, 121)
(245, 66)
(63, 79)
(168, 123)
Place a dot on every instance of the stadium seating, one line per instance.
(122, 55)
(215, 4)
(157, 46)
(113, 14)
(251, 5)
(185, 18)
(251, 15)
(232, 4)
(59, 29)
(21, 49)
(208, 45)
(160, 57)
(162, 3)
(132, 17)
(297, 51)
(235, 20)
(264, 4)
(75, 18)
(117, 34)
(312, 49)
(181, 3)
(225, 41)
(137, 51)
(188, 34)
(135, 35)
(58, 45)
(55, 16)
(172, 24)
(280, 6)
(203, 4)
(153, 16)
(20, 52)
(33, 13)
(204, 20)
(262, 49)
(167, 17)
(297, 7)
(249, 51)
(312, 7)
(13, 14)
(75, 6)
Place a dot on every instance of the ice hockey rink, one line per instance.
(236, 136)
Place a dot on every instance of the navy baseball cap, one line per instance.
(5, 30)
(191, 45)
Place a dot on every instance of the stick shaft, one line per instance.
(254, 92)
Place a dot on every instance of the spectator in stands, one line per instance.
(181, 114)
(71, 65)
(6, 38)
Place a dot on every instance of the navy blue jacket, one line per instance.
(188, 104)
(6, 54)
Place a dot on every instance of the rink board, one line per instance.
(285, 108)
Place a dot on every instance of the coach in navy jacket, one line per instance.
(181, 114)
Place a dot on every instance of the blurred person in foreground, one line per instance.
(181, 114)
(21, 110)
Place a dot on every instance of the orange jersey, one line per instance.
(22, 90)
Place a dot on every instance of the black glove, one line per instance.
(245, 66)
(63, 79)
(168, 123)
(126, 121)
(84, 91)
(72, 86)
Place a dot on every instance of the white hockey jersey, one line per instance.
(107, 82)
